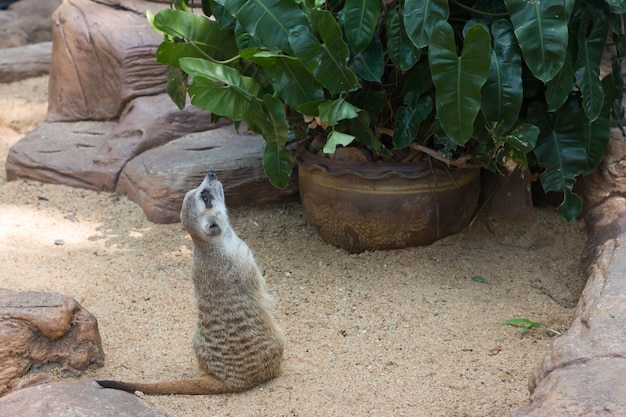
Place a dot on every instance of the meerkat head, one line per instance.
(204, 213)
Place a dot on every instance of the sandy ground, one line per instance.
(396, 333)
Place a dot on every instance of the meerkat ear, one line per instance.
(213, 227)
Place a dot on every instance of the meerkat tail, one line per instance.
(194, 386)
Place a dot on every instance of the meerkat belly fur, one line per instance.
(237, 342)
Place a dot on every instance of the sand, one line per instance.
(390, 333)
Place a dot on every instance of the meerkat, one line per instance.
(237, 342)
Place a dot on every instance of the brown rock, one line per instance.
(70, 399)
(62, 153)
(92, 154)
(103, 56)
(599, 327)
(584, 371)
(41, 328)
(27, 22)
(596, 388)
(25, 61)
(158, 179)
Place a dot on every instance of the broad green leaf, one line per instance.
(326, 60)
(176, 86)
(360, 127)
(220, 89)
(559, 87)
(541, 31)
(203, 35)
(369, 64)
(518, 143)
(269, 21)
(503, 92)
(419, 79)
(270, 118)
(597, 132)
(458, 80)
(333, 111)
(337, 138)
(408, 121)
(420, 18)
(562, 150)
(401, 50)
(361, 18)
(591, 38)
(292, 81)
(372, 102)
(219, 12)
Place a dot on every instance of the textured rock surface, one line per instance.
(158, 179)
(584, 371)
(42, 328)
(605, 197)
(26, 22)
(92, 154)
(72, 399)
(25, 61)
(103, 56)
(591, 389)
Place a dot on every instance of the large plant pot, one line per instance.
(370, 206)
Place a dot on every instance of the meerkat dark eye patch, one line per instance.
(206, 197)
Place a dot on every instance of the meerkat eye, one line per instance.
(206, 197)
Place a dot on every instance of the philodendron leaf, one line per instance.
(562, 149)
(370, 63)
(401, 50)
(559, 87)
(269, 21)
(271, 121)
(503, 92)
(420, 18)
(518, 143)
(591, 39)
(220, 89)
(332, 111)
(408, 121)
(360, 21)
(176, 86)
(541, 31)
(326, 59)
(337, 138)
(458, 80)
(597, 133)
(202, 37)
(292, 81)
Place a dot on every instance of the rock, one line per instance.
(604, 193)
(599, 327)
(597, 388)
(92, 154)
(25, 62)
(62, 153)
(158, 179)
(27, 22)
(73, 399)
(42, 328)
(103, 56)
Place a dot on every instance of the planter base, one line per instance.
(372, 206)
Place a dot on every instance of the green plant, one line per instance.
(527, 324)
(492, 83)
